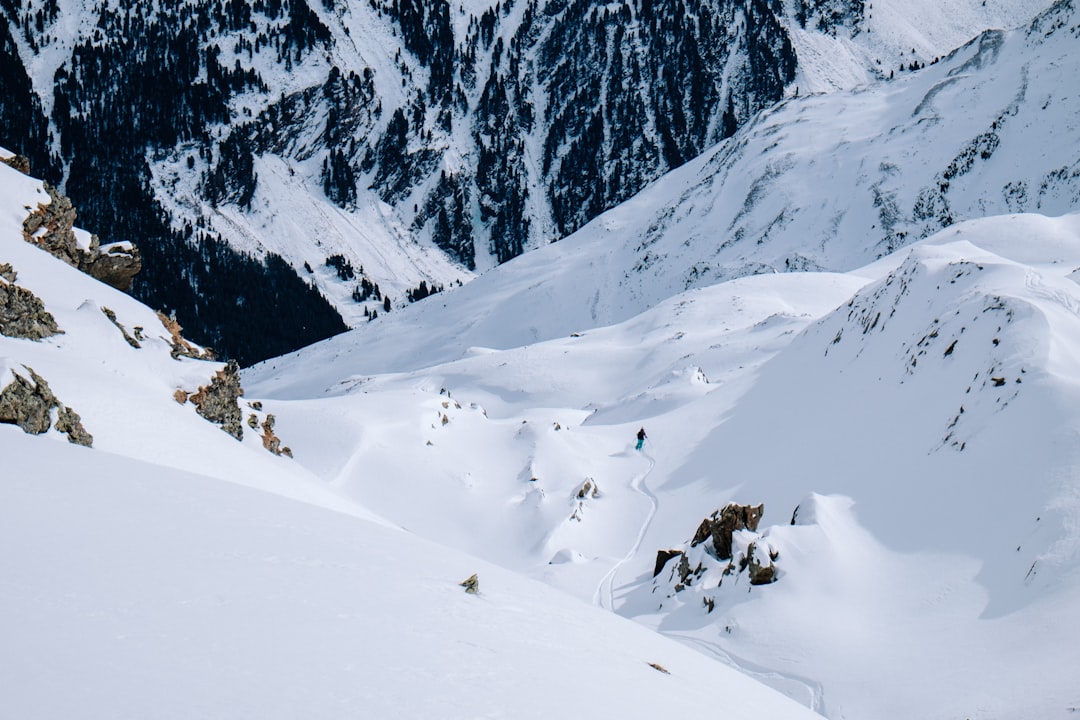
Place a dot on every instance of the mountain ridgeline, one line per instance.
(487, 129)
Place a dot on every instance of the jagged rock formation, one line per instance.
(29, 403)
(19, 162)
(181, 347)
(218, 402)
(726, 543)
(51, 227)
(22, 314)
(722, 524)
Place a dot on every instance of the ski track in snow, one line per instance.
(605, 589)
(815, 692)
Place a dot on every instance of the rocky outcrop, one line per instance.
(471, 584)
(726, 547)
(22, 314)
(19, 162)
(722, 524)
(51, 227)
(271, 441)
(663, 557)
(132, 341)
(219, 403)
(759, 565)
(29, 403)
(115, 265)
(180, 345)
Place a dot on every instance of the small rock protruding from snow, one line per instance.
(471, 584)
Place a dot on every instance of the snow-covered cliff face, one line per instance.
(419, 141)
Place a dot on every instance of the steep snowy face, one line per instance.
(834, 181)
(413, 141)
(824, 182)
(417, 141)
(960, 367)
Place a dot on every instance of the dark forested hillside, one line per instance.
(487, 131)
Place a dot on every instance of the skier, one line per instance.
(640, 438)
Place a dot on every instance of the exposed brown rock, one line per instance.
(218, 402)
(761, 570)
(270, 441)
(28, 403)
(123, 331)
(19, 162)
(662, 559)
(589, 489)
(471, 584)
(7, 272)
(69, 423)
(23, 315)
(721, 524)
(51, 227)
(115, 266)
(180, 346)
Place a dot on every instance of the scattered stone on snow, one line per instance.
(123, 331)
(471, 584)
(181, 347)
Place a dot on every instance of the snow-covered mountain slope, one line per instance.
(831, 181)
(415, 142)
(915, 417)
(142, 590)
(867, 41)
(170, 571)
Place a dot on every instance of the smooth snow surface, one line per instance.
(904, 404)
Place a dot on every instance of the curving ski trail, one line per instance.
(604, 595)
(785, 683)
